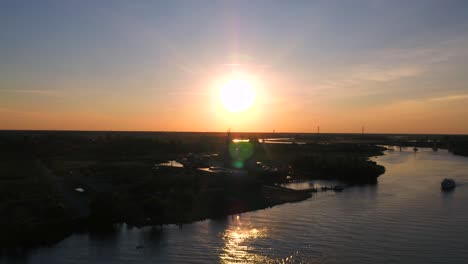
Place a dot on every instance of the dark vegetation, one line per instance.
(30, 210)
(343, 161)
(458, 145)
(40, 170)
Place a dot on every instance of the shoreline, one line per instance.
(119, 181)
(275, 195)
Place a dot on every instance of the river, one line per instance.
(405, 218)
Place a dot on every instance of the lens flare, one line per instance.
(240, 152)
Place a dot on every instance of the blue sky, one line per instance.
(151, 65)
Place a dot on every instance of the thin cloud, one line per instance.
(386, 74)
(450, 97)
(369, 74)
(33, 91)
(248, 65)
(187, 93)
(15, 111)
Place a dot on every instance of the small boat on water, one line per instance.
(447, 184)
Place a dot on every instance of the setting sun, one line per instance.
(237, 95)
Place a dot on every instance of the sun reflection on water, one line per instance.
(238, 239)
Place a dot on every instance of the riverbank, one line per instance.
(176, 196)
(42, 207)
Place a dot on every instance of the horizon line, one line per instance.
(245, 132)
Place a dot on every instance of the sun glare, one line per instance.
(237, 95)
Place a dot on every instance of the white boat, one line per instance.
(447, 184)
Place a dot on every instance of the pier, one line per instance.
(335, 188)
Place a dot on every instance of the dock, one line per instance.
(335, 188)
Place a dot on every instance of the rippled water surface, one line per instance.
(405, 218)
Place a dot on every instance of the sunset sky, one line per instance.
(392, 66)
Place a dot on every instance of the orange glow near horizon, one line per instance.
(198, 108)
(204, 67)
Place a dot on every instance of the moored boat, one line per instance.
(338, 188)
(447, 184)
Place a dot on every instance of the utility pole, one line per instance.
(227, 157)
